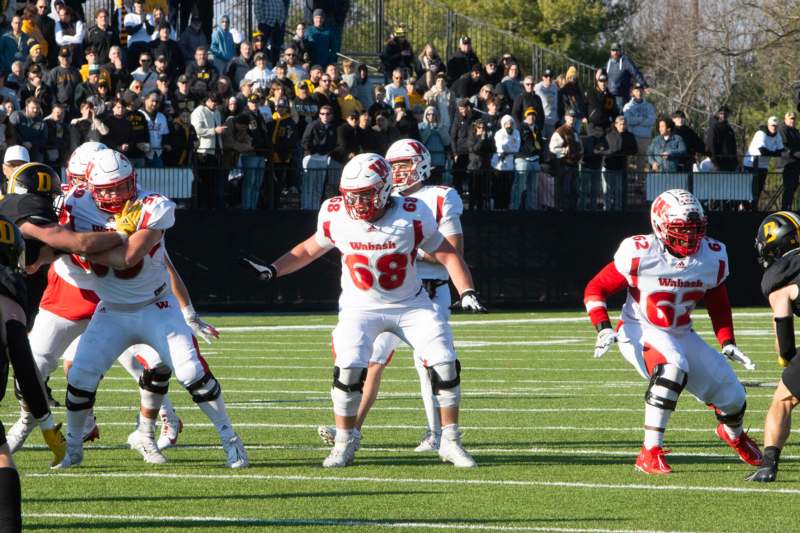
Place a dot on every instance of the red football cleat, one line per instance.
(92, 435)
(747, 449)
(651, 461)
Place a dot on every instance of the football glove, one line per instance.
(605, 338)
(469, 302)
(263, 272)
(200, 328)
(127, 220)
(56, 442)
(732, 352)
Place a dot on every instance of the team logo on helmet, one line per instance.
(778, 234)
(678, 221)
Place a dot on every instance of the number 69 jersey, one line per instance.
(664, 289)
(378, 269)
(142, 282)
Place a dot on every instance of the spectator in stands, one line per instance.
(241, 64)
(491, 74)
(347, 103)
(478, 101)
(182, 98)
(36, 58)
(30, 129)
(506, 144)
(319, 143)
(479, 169)
(145, 73)
(306, 107)
(362, 88)
(396, 89)
(139, 27)
(460, 133)
(201, 73)
(332, 71)
(336, 11)
(222, 46)
(158, 129)
(88, 88)
(169, 49)
(416, 102)
(526, 163)
(207, 123)
(462, 61)
(58, 147)
(397, 54)
(301, 45)
(511, 85)
(789, 163)
(118, 135)
(640, 117)
(570, 95)
(565, 145)
(33, 22)
(284, 136)
(379, 104)
(70, 32)
(36, 88)
(348, 139)
(548, 93)
(491, 117)
(138, 141)
(86, 127)
(404, 121)
(721, 142)
(64, 79)
(694, 144)
(601, 106)
(619, 145)
(181, 141)
(162, 68)
(666, 150)
(440, 97)
(294, 70)
(348, 72)
(469, 84)
(101, 36)
(428, 58)
(436, 138)
(270, 17)
(622, 74)
(13, 45)
(324, 96)
(91, 59)
(766, 144)
(237, 141)
(383, 134)
(528, 98)
(260, 75)
(319, 41)
(120, 77)
(192, 38)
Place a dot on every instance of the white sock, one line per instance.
(46, 422)
(216, 412)
(76, 421)
(429, 401)
(344, 435)
(450, 432)
(655, 417)
(147, 426)
(733, 432)
(166, 406)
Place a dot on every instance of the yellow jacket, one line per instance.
(349, 103)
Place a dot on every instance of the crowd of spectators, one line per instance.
(266, 117)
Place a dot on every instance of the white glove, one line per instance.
(469, 302)
(201, 329)
(735, 354)
(605, 338)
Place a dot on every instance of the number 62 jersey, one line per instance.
(664, 289)
(378, 258)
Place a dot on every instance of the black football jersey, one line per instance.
(13, 285)
(783, 272)
(34, 208)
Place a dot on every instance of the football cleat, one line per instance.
(171, 427)
(56, 442)
(74, 457)
(327, 434)
(429, 443)
(146, 445)
(20, 430)
(451, 450)
(343, 452)
(747, 449)
(651, 461)
(236, 454)
(91, 432)
(765, 474)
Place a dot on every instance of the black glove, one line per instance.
(264, 272)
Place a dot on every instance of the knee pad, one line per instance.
(78, 400)
(666, 384)
(205, 389)
(445, 382)
(348, 383)
(156, 380)
(732, 419)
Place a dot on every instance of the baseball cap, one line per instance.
(547, 72)
(94, 69)
(16, 153)
(259, 55)
(253, 98)
(183, 78)
(772, 121)
(638, 85)
(571, 113)
(163, 77)
(616, 47)
(465, 40)
(319, 12)
(64, 52)
(400, 30)
(161, 57)
(476, 68)
(529, 111)
(602, 77)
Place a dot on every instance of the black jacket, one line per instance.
(480, 151)
(601, 109)
(319, 138)
(392, 56)
(465, 86)
(694, 145)
(460, 132)
(237, 68)
(460, 64)
(523, 102)
(101, 40)
(618, 146)
(530, 141)
(169, 48)
(348, 141)
(791, 144)
(721, 145)
(408, 127)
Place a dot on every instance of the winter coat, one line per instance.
(222, 45)
(618, 146)
(523, 102)
(459, 133)
(640, 117)
(762, 148)
(566, 146)
(436, 139)
(549, 97)
(319, 138)
(721, 145)
(791, 144)
(481, 150)
(673, 145)
(460, 64)
(570, 96)
(602, 109)
(506, 147)
(621, 73)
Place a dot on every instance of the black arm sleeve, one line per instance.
(25, 372)
(784, 331)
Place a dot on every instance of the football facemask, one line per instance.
(683, 238)
(111, 198)
(363, 204)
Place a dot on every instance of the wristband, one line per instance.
(605, 324)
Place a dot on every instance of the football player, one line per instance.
(666, 273)
(778, 248)
(411, 166)
(379, 238)
(136, 307)
(17, 352)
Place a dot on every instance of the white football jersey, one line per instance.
(378, 258)
(142, 282)
(446, 206)
(664, 289)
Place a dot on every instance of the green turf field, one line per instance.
(555, 434)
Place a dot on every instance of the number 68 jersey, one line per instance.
(378, 258)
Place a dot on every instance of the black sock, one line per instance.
(771, 455)
(10, 501)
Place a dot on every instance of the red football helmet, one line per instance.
(678, 221)
(112, 180)
(365, 186)
(411, 163)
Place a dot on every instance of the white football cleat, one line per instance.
(20, 431)
(171, 427)
(74, 457)
(451, 450)
(429, 443)
(146, 445)
(237, 455)
(327, 434)
(344, 451)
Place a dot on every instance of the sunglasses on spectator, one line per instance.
(144, 61)
(324, 113)
(527, 83)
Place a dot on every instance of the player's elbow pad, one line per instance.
(784, 331)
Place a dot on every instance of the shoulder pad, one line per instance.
(781, 273)
(35, 208)
(158, 212)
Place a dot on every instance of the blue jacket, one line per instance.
(674, 146)
(11, 50)
(621, 72)
(222, 45)
(319, 41)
